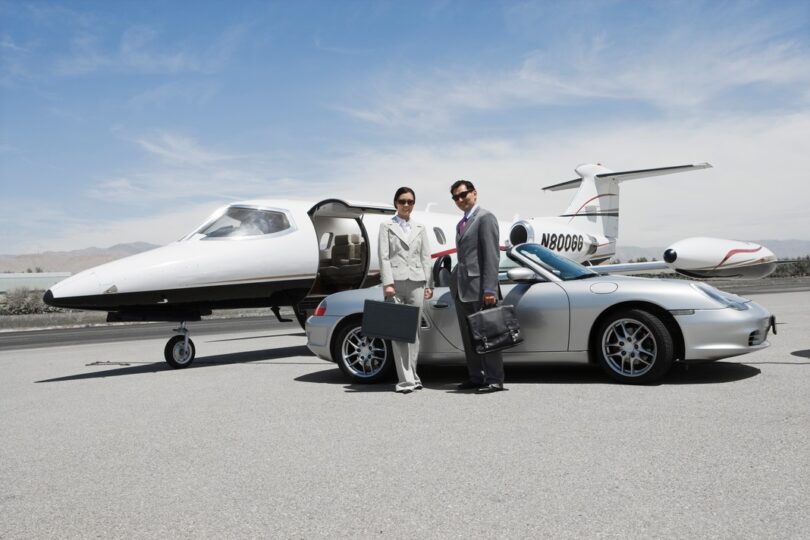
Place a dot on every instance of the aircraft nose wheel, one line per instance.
(179, 351)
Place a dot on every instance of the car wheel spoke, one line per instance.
(628, 347)
(363, 356)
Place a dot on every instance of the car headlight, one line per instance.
(726, 299)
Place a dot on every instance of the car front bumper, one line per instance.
(713, 334)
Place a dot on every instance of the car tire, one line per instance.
(365, 360)
(634, 347)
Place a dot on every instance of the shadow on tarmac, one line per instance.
(801, 354)
(295, 334)
(204, 361)
(441, 377)
(447, 377)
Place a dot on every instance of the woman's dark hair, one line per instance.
(466, 183)
(402, 190)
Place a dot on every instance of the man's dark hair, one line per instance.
(466, 183)
(402, 190)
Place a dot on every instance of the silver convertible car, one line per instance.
(634, 327)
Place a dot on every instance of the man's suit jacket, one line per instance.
(404, 256)
(478, 257)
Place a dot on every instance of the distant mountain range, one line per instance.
(82, 259)
(70, 261)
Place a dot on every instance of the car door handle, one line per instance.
(439, 305)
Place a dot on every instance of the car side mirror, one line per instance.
(523, 275)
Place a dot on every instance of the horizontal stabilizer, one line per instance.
(570, 184)
(629, 175)
(645, 173)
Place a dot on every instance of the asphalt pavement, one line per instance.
(261, 439)
(108, 333)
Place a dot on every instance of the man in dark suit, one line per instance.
(474, 282)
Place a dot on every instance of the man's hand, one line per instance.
(489, 299)
(389, 291)
(428, 293)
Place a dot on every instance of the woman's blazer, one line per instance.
(404, 256)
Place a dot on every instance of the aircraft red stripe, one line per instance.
(586, 202)
(454, 250)
(734, 252)
(443, 253)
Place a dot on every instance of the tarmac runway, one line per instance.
(261, 439)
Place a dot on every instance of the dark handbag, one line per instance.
(494, 329)
(390, 320)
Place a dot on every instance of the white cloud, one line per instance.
(185, 170)
(685, 70)
(141, 49)
(178, 149)
(756, 190)
(117, 189)
(7, 43)
(196, 94)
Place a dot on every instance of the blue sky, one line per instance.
(126, 121)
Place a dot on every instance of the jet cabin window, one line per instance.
(239, 221)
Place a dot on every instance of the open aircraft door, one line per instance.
(346, 232)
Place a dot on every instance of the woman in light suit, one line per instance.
(406, 274)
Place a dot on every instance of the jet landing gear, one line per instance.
(179, 351)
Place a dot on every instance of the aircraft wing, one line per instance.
(648, 267)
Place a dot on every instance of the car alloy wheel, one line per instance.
(362, 358)
(635, 346)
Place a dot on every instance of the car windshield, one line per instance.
(563, 268)
(238, 221)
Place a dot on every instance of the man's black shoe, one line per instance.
(490, 388)
(469, 385)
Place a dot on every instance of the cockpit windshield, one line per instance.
(558, 265)
(242, 221)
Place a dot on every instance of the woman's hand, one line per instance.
(389, 291)
(428, 293)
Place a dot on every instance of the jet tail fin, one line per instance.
(595, 206)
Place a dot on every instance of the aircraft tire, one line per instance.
(634, 346)
(176, 355)
(365, 360)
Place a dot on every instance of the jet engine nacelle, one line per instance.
(521, 232)
(719, 258)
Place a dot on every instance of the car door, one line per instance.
(542, 309)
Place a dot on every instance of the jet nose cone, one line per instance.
(670, 256)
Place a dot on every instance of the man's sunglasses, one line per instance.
(404, 202)
(461, 195)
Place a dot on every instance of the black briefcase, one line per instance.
(390, 320)
(494, 329)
